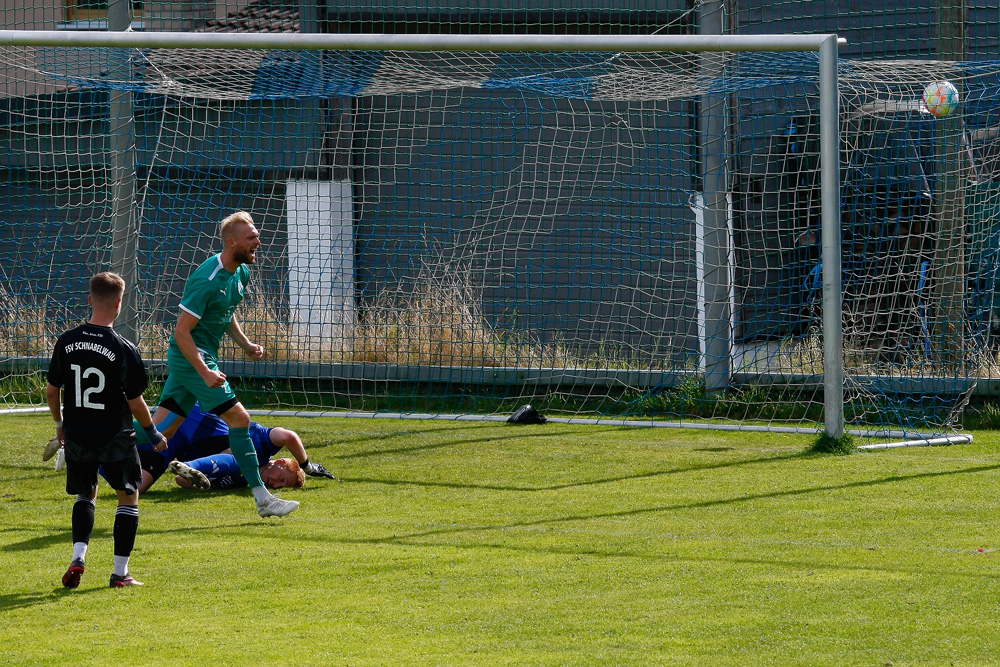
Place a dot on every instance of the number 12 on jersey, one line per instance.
(82, 396)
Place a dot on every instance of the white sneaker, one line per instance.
(275, 506)
(196, 477)
(51, 449)
(60, 459)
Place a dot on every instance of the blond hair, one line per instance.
(107, 287)
(230, 222)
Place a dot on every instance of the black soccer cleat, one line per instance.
(122, 582)
(72, 577)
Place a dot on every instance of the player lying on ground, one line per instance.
(205, 434)
(222, 472)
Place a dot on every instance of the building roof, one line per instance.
(258, 16)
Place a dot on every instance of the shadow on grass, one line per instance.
(212, 527)
(12, 601)
(591, 482)
(31, 467)
(452, 443)
(798, 564)
(164, 494)
(51, 539)
(175, 493)
(464, 426)
(791, 493)
(179, 494)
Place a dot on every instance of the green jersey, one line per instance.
(212, 295)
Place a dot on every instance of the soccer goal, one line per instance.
(694, 231)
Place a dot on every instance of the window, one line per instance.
(88, 10)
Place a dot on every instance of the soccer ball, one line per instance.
(941, 98)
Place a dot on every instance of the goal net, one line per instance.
(607, 235)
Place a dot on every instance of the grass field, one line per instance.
(457, 543)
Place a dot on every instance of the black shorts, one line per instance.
(210, 446)
(154, 463)
(123, 475)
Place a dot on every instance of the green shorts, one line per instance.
(184, 386)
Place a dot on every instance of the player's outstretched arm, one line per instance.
(141, 413)
(250, 348)
(290, 440)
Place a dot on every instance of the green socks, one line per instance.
(245, 454)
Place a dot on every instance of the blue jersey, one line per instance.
(203, 434)
(261, 437)
(200, 434)
(200, 426)
(224, 472)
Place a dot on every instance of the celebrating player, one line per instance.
(208, 310)
(205, 434)
(100, 378)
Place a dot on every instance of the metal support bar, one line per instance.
(833, 346)
(380, 42)
(121, 155)
(717, 255)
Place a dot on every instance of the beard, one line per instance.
(243, 256)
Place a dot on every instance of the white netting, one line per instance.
(462, 232)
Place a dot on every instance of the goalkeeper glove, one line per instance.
(317, 470)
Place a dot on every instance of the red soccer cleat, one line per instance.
(72, 577)
(122, 582)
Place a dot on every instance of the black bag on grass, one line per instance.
(526, 415)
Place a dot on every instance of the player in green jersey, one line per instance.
(208, 311)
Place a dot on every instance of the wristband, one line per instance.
(58, 424)
(151, 433)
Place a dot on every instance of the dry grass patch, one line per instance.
(26, 329)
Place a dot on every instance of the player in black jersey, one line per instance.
(100, 378)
